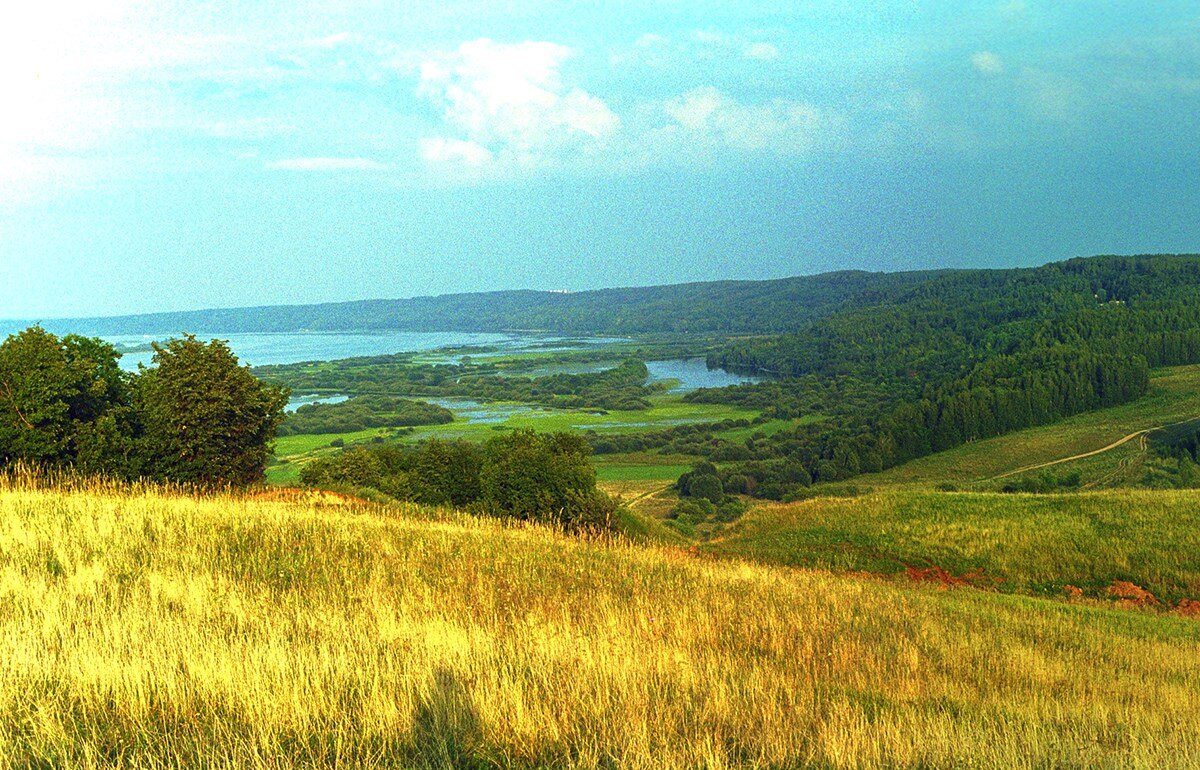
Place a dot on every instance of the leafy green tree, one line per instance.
(447, 473)
(708, 487)
(204, 418)
(62, 402)
(543, 477)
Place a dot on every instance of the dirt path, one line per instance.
(1143, 446)
(1124, 440)
(633, 501)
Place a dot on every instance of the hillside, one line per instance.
(732, 307)
(146, 629)
(1050, 545)
(940, 328)
(1173, 396)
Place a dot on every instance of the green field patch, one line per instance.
(301, 444)
(665, 412)
(665, 473)
(283, 474)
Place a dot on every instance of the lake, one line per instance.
(693, 373)
(266, 349)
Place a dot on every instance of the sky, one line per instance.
(163, 155)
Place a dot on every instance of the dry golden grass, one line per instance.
(145, 629)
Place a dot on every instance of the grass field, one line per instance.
(606, 471)
(149, 630)
(1023, 543)
(1174, 396)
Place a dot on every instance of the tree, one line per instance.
(706, 486)
(62, 402)
(204, 418)
(543, 477)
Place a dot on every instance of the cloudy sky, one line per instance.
(175, 155)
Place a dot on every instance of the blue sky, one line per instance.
(159, 155)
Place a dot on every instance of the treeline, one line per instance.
(363, 412)
(622, 387)
(1182, 439)
(794, 397)
(720, 307)
(196, 416)
(938, 330)
(544, 477)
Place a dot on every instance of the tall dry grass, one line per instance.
(150, 629)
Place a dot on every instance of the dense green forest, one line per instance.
(961, 357)
(940, 328)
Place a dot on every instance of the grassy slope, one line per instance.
(1174, 396)
(147, 630)
(1024, 543)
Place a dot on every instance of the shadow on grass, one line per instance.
(446, 727)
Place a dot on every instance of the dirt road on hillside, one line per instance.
(1124, 440)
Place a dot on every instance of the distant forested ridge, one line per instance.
(942, 327)
(733, 307)
(961, 357)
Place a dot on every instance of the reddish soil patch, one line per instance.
(1129, 594)
(1073, 592)
(942, 577)
(1188, 608)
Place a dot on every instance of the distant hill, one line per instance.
(770, 306)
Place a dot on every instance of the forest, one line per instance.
(962, 357)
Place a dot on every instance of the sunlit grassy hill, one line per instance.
(144, 629)
(1037, 544)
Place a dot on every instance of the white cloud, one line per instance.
(761, 51)
(650, 40)
(708, 117)
(713, 42)
(440, 150)
(987, 62)
(1013, 9)
(712, 37)
(510, 105)
(327, 164)
(1053, 96)
(332, 41)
